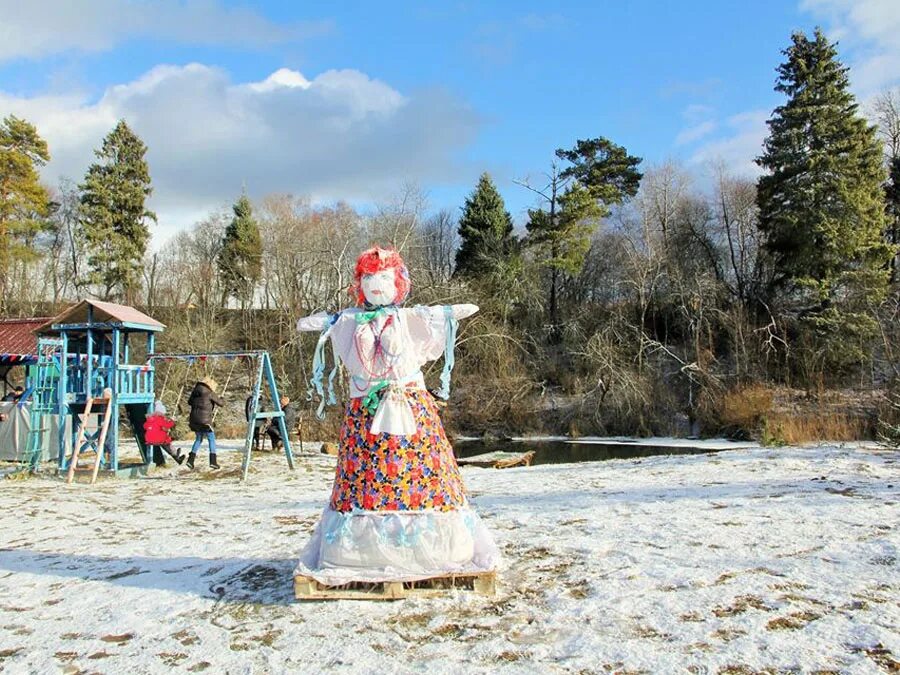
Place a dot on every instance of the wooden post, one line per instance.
(485, 584)
(110, 411)
(393, 589)
(62, 401)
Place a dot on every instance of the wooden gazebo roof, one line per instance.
(108, 313)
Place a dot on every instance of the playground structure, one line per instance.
(84, 369)
(92, 366)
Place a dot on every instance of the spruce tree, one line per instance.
(113, 213)
(240, 260)
(485, 230)
(892, 196)
(24, 202)
(821, 200)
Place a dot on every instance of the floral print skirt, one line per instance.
(385, 472)
(398, 509)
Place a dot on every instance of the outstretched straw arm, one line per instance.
(315, 322)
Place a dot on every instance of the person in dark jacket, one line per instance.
(290, 422)
(203, 401)
(258, 427)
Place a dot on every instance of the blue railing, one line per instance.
(134, 382)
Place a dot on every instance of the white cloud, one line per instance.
(701, 122)
(283, 77)
(38, 28)
(742, 144)
(868, 32)
(340, 135)
(694, 133)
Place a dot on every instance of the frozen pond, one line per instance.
(560, 450)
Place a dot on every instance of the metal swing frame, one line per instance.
(264, 370)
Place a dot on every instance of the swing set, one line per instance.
(264, 373)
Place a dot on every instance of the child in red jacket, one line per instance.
(156, 435)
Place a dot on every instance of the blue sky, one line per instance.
(368, 95)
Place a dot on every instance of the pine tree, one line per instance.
(24, 202)
(604, 168)
(600, 174)
(240, 261)
(564, 241)
(821, 200)
(889, 420)
(485, 230)
(113, 215)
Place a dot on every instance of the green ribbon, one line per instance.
(366, 317)
(370, 400)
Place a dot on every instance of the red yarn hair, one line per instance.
(377, 259)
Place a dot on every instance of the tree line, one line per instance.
(633, 300)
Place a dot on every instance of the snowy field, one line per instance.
(751, 560)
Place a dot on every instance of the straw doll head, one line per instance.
(380, 278)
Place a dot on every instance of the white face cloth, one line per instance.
(379, 288)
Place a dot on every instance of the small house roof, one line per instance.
(104, 312)
(17, 339)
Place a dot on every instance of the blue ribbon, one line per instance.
(316, 382)
(450, 326)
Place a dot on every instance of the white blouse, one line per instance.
(389, 350)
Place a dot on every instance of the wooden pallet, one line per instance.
(483, 583)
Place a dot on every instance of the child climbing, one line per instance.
(202, 401)
(156, 435)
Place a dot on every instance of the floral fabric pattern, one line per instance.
(386, 472)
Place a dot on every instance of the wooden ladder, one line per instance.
(104, 400)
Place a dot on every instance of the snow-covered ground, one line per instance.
(771, 560)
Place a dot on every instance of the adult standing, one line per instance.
(260, 423)
(203, 400)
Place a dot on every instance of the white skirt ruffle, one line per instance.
(396, 546)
